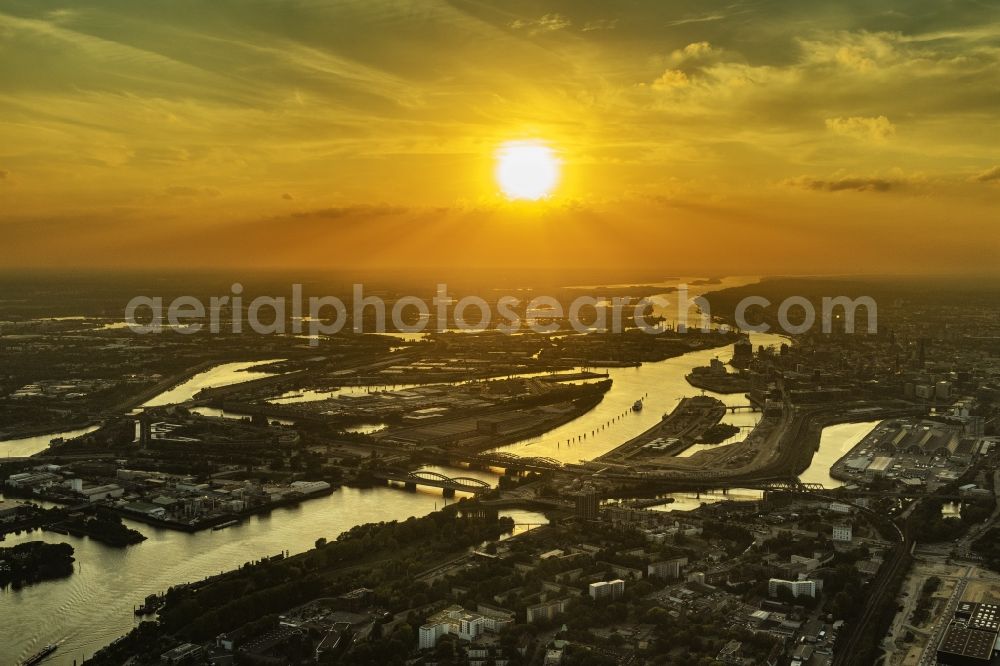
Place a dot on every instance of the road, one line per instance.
(963, 549)
(929, 657)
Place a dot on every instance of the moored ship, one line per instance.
(39, 656)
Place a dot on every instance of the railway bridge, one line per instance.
(509, 462)
(411, 480)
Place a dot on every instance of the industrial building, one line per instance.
(972, 636)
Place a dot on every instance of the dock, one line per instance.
(677, 431)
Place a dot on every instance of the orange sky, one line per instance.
(734, 137)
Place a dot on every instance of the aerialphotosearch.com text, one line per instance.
(318, 316)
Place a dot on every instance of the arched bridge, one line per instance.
(465, 484)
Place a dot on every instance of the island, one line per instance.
(104, 527)
(34, 562)
(717, 379)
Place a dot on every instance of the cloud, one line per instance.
(860, 52)
(878, 128)
(707, 18)
(187, 191)
(359, 210)
(4, 174)
(545, 23)
(254, 100)
(672, 78)
(697, 57)
(600, 24)
(287, 197)
(696, 51)
(847, 183)
(991, 175)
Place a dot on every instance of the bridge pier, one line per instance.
(448, 492)
(412, 487)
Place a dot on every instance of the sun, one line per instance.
(527, 170)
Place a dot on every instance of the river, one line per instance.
(29, 446)
(834, 442)
(660, 385)
(225, 374)
(94, 606)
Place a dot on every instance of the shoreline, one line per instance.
(837, 468)
(795, 450)
(125, 406)
(684, 433)
(216, 521)
(727, 385)
(9, 436)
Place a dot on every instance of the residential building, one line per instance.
(798, 588)
(843, 532)
(430, 633)
(587, 504)
(455, 620)
(669, 569)
(546, 611)
(622, 571)
(495, 620)
(607, 590)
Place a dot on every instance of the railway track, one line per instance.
(854, 651)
